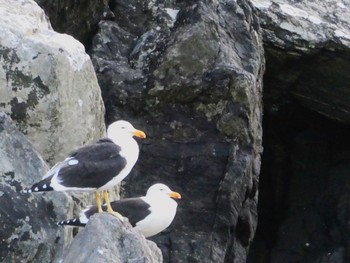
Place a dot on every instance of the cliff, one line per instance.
(190, 73)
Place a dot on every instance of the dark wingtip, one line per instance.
(61, 223)
(42, 186)
(71, 222)
(26, 191)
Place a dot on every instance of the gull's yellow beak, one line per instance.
(139, 134)
(175, 195)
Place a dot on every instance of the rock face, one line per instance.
(106, 239)
(28, 222)
(192, 80)
(187, 78)
(308, 41)
(48, 84)
(190, 74)
(303, 195)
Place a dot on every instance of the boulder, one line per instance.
(106, 239)
(28, 222)
(47, 82)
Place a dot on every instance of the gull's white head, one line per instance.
(123, 129)
(162, 190)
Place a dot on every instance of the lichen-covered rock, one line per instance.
(47, 82)
(28, 230)
(106, 239)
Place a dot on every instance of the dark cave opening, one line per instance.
(301, 149)
(304, 190)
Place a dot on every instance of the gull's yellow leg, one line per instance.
(98, 202)
(109, 208)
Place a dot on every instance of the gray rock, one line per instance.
(28, 222)
(307, 45)
(47, 84)
(106, 239)
(304, 25)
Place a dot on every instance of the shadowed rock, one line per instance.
(303, 195)
(76, 18)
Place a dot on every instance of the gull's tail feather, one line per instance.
(42, 186)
